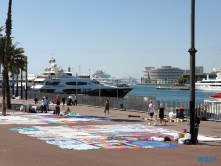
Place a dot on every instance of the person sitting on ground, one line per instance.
(67, 111)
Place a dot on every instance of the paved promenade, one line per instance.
(21, 150)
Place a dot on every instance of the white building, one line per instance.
(163, 75)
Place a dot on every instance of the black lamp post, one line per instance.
(192, 52)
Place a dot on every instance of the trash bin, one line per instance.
(121, 106)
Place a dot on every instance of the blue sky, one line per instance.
(120, 37)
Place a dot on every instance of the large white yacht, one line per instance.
(30, 79)
(209, 84)
(56, 80)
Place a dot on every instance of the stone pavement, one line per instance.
(20, 150)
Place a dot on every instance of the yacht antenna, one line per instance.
(216, 59)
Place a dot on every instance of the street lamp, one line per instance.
(117, 89)
(192, 52)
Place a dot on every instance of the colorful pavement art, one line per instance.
(43, 118)
(100, 136)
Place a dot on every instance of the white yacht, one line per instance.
(30, 79)
(56, 80)
(209, 84)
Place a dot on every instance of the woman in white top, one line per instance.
(151, 111)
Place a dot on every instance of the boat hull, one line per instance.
(116, 92)
(205, 87)
(110, 92)
(217, 96)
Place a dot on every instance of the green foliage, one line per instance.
(16, 58)
(182, 80)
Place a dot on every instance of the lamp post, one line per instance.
(76, 85)
(117, 89)
(26, 78)
(192, 52)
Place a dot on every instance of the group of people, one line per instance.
(151, 111)
(58, 111)
(63, 100)
(45, 104)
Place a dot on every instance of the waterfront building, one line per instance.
(198, 70)
(163, 75)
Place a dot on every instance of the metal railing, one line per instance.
(137, 103)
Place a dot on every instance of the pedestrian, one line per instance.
(57, 110)
(161, 114)
(58, 100)
(36, 100)
(151, 110)
(197, 122)
(75, 99)
(63, 100)
(43, 105)
(70, 102)
(47, 103)
(106, 108)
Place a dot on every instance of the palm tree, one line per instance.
(16, 61)
(5, 63)
(1, 29)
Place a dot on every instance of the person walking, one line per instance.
(151, 110)
(75, 99)
(43, 105)
(197, 122)
(63, 100)
(58, 100)
(106, 108)
(161, 114)
(47, 101)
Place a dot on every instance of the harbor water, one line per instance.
(169, 95)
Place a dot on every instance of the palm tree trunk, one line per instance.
(17, 81)
(9, 106)
(13, 81)
(21, 84)
(8, 40)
